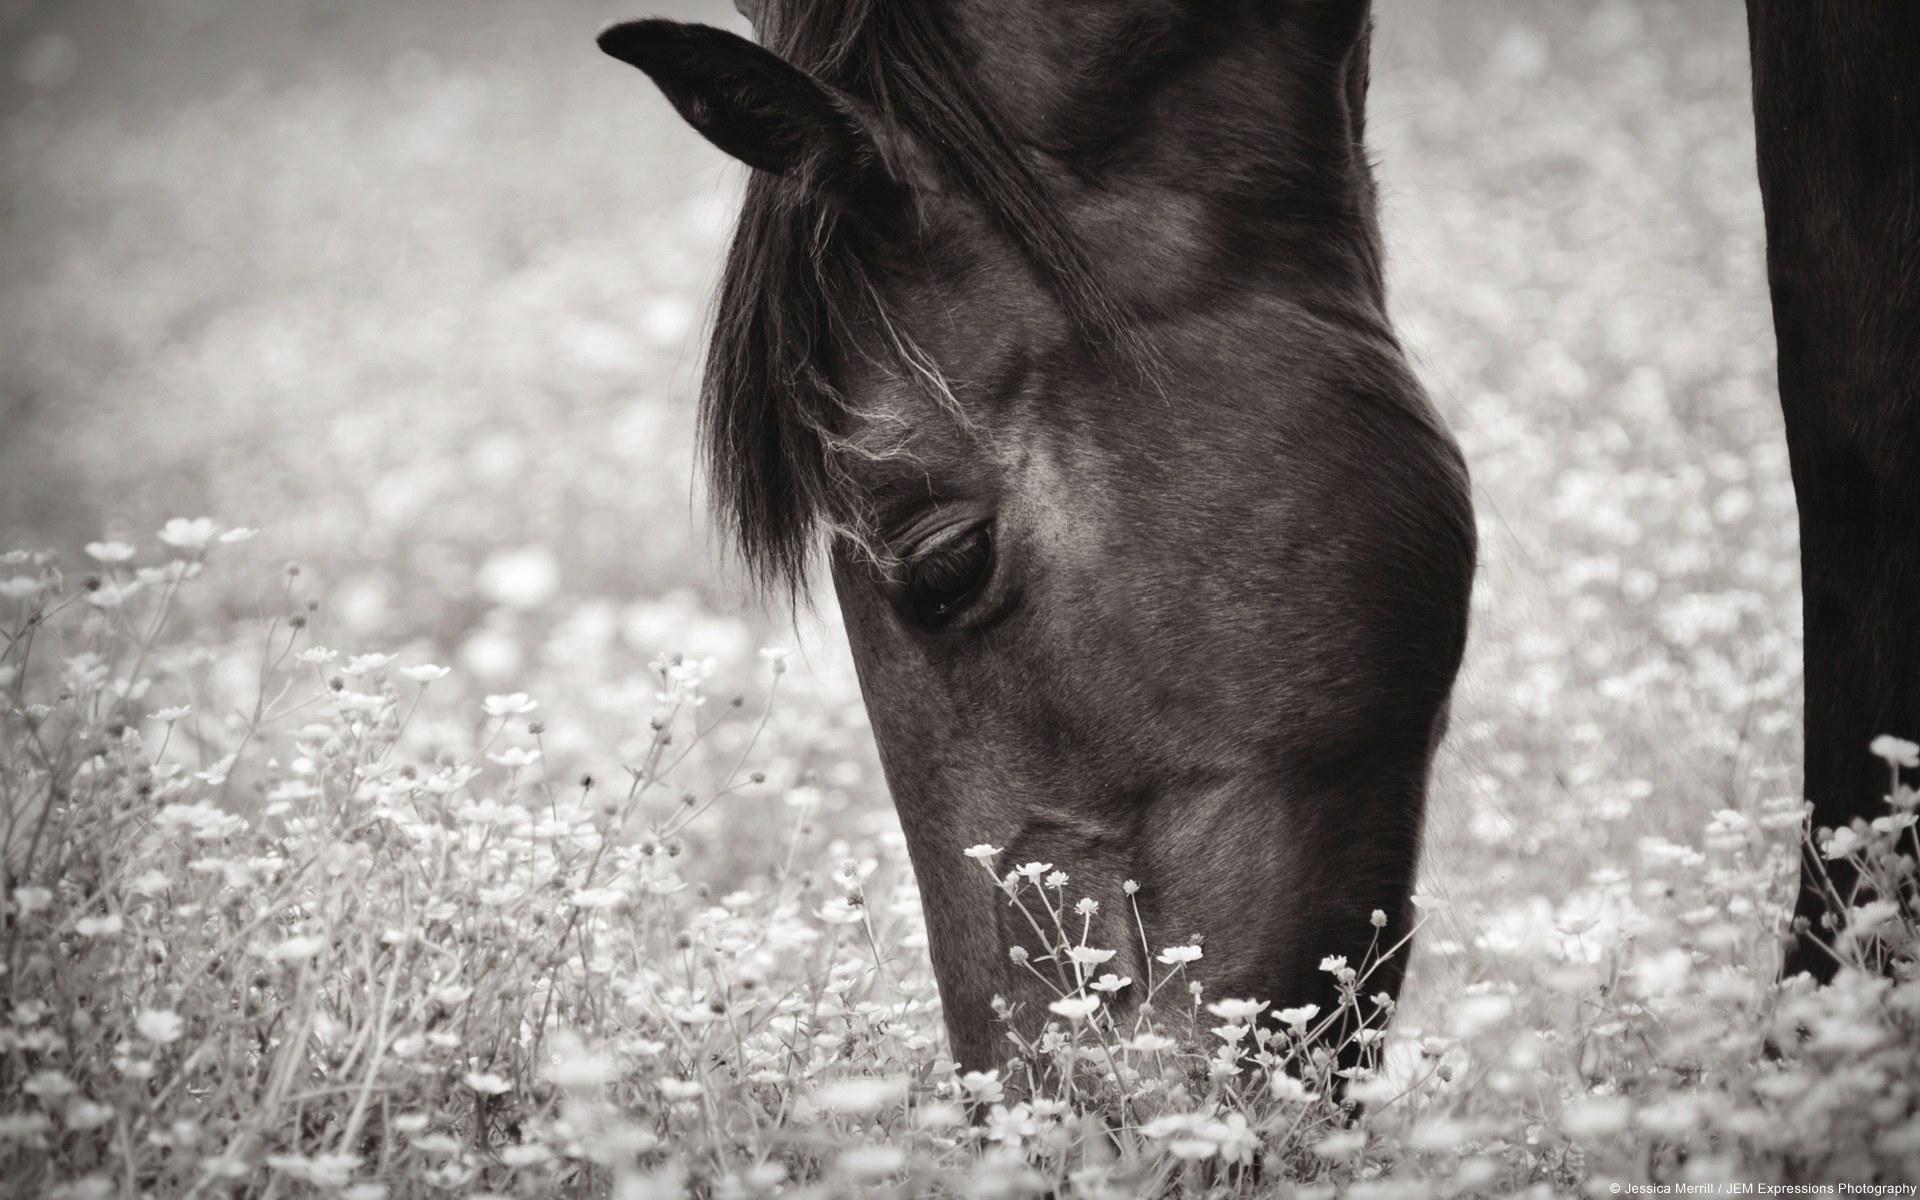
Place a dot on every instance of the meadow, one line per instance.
(402, 793)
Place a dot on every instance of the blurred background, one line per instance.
(418, 289)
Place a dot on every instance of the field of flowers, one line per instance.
(399, 796)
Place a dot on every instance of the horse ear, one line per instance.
(764, 111)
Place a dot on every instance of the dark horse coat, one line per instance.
(1836, 104)
(1065, 325)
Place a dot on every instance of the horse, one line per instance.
(1059, 332)
(1837, 121)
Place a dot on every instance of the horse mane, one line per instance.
(773, 424)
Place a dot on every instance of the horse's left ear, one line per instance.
(764, 111)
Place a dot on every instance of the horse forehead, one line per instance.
(1023, 40)
(1055, 39)
(1034, 56)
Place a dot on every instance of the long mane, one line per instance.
(794, 286)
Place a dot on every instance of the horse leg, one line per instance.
(1836, 97)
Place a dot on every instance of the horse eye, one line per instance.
(942, 580)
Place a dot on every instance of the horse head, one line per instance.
(1059, 333)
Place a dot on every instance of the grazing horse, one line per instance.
(1063, 327)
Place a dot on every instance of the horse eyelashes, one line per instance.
(940, 581)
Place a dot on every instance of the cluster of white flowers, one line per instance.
(293, 951)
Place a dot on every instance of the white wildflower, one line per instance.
(298, 948)
(1863, 919)
(525, 577)
(326, 1172)
(1192, 1148)
(1438, 1135)
(48, 1085)
(1843, 842)
(110, 553)
(525, 1154)
(512, 704)
(1297, 1018)
(598, 897)
(1237, 1011)
(83, 1115)
(870, 1163)
(1477, 1014)
(1088, 956)
(1596, 1116)
(1347, 1143)
(863, 1095)
(160, 1025)
(30, 900)
(1898, 752)
(24, 1126)
(190, 534)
